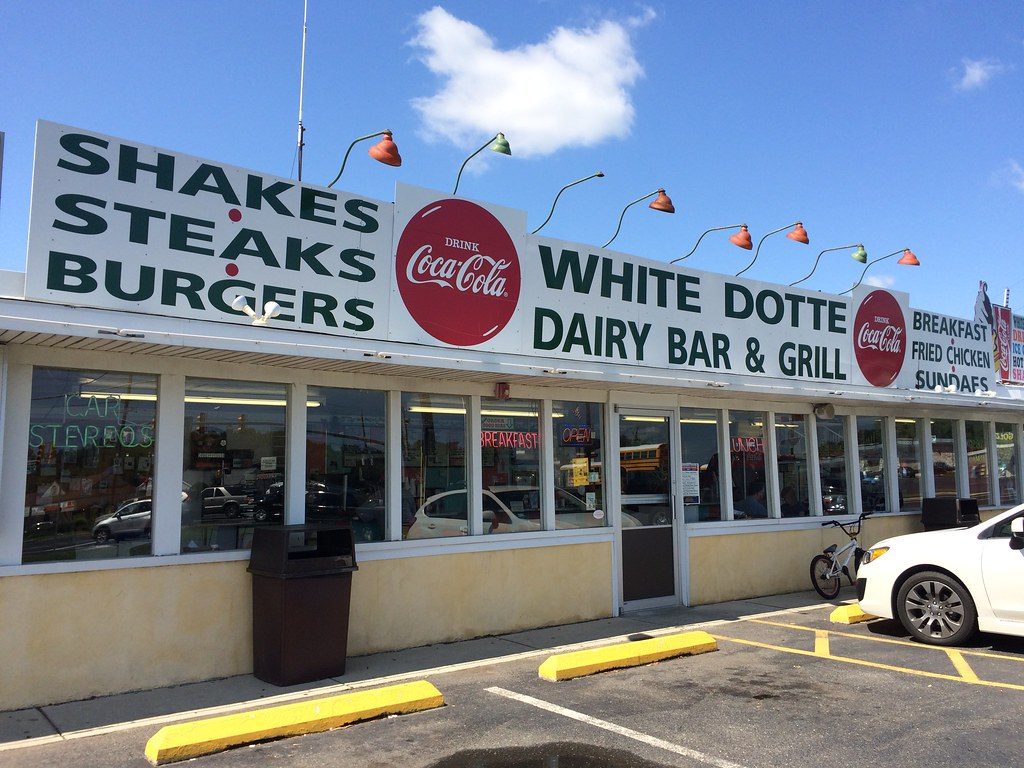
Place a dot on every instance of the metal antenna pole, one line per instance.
(302, 82)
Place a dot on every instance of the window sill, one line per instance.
(365, 551)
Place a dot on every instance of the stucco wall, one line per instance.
(71, 636)
(739, 565)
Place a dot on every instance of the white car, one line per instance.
(944, 585)
(507, 509)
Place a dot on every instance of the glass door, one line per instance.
(646, 501)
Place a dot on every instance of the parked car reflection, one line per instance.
(506, 509)
(131, 519)
(325, 504)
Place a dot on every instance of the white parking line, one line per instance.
(620, 730)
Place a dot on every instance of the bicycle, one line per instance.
(826, 568)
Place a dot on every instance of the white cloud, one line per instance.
(881, 281)
(571, 89)
(1015, 174)
(975, 73)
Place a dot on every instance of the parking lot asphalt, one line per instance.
(784, 689)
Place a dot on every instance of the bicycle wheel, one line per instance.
(825, 585)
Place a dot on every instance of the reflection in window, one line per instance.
(791, 444)
(908, 455)
(831, 435)
(434, 466)
(233, 461)
(1006, 449)
(977, 462)
(579, 486)
(89, 478)
(645, 475)
(510, 461)
(746, 451)
(944, 457)
(345, 434)
(874, 491)
(699, 439)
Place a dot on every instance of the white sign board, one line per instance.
(122, 225)
(950, 353)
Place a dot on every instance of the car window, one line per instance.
(567, 502)
(523, 503)
(208, 493)
(450, 506)
(1002, 531)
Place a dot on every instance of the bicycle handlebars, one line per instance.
(836, 524)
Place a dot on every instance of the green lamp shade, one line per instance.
(860, 255)
(501, 145)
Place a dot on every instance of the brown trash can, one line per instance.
(301, 590)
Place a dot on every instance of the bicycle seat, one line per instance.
(830, 549)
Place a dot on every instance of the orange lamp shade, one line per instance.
(386, 151)
(742, 238)
(663, 203)
(909, 259)
(799, 234)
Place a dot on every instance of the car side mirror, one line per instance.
(1017, 533)
(488, 516)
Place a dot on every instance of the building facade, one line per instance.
(520, 431)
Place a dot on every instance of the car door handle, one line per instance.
(431, 525)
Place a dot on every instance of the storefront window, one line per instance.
(1006, 449)
(944, 457)
(434, 466)
(579, 468)
(874, 490)
(908, 455)
(791, 446)
(831, 435)
(977, 462)
(89, 479)
(234, 456)
(345, 436)
(746, 452)
(510, 461)
(698, 428)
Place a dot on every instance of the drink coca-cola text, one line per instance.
(476, 274)
(886, 339)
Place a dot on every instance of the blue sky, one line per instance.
(889, 124)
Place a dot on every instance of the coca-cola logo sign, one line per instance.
(458, 272)
(880, 338)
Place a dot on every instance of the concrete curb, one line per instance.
(204, 737)
(565, 666)
(849, 614)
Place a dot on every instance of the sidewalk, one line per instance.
(80, 719)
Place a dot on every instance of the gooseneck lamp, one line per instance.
(798, 233)
(740, 239)
(497, 143)
(859, 255)
(662, 203)
(384, 151)
(597, 175)
(908, 259)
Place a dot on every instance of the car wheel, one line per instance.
(662, 518)
(936, 608)
(102, 535)
(260, 515)
(231, 510)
